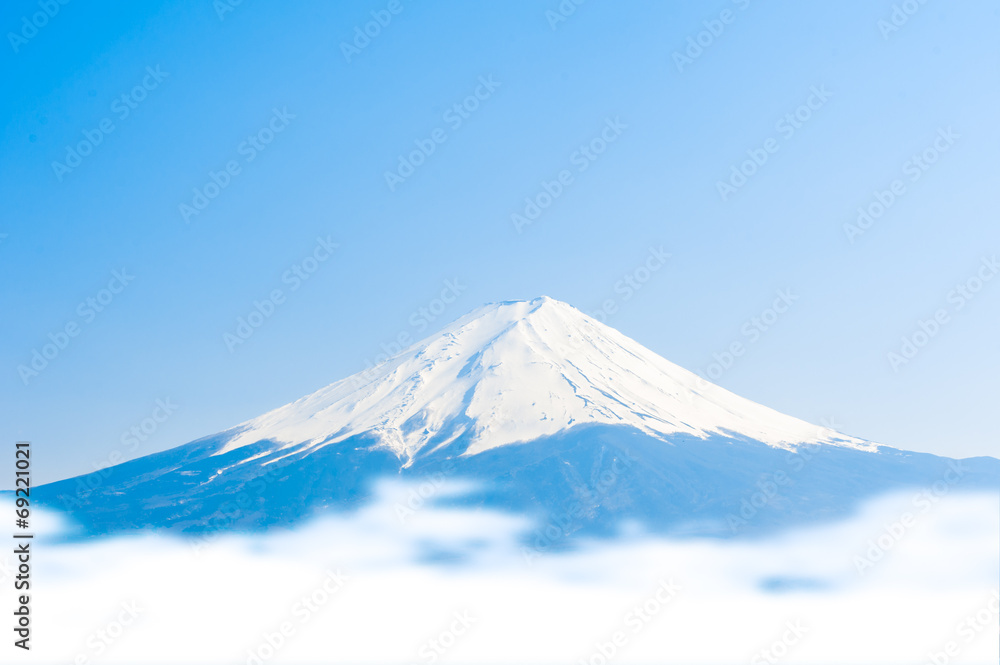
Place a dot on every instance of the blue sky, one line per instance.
(324, 124)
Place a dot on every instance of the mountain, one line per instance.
(547, 412)
(515, 372)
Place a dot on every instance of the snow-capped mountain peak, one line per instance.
(515, 371)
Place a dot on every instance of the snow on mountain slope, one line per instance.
(512, 372)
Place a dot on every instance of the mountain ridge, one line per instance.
(542, 412)
(519, 370)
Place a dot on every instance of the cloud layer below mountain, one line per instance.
(432, 585)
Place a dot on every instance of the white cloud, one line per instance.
(736, 596)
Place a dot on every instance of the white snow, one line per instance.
(515, 371)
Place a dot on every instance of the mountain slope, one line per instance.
(547, 412)
(513, 372)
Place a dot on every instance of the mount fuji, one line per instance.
(542, 411)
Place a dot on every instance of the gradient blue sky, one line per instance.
(162, 337)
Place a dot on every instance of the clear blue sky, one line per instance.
(884, 97)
